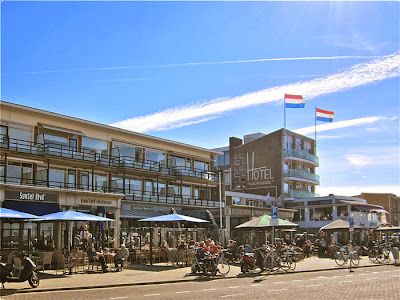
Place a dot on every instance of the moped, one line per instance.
(27, 273)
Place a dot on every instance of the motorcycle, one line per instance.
(253, 260)
(27, 273)
(204, 263)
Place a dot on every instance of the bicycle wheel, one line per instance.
(372, 255)
(386, 253)
(223, 266)
(292, 265)
(340, 259)
(285, 264)
(380, 257)
(355, 260)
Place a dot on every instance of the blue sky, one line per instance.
(201, 72)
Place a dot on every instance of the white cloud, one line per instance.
(358, 160)
(383, 68)
(357, 190)
(355, 41)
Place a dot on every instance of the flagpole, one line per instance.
(315, 116)
(315, 139)
(284, 112)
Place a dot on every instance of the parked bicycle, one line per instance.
(344, 255)
(222, 263)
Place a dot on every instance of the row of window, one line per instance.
(326, 214)
(74, 142)
(25, 173)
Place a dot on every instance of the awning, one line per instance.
(34, 208)
(362, 205)
(61, 129)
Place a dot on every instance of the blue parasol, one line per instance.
(71, 215)
(173, 218)
(6, 213)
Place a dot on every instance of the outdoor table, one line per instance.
(109, 257)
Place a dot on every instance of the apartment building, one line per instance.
(51, 162)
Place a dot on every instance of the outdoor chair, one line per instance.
(94, 263)
(46, 260)
(18, 267)
(171, 256)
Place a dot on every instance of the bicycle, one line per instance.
(223, 266)
(343, 255)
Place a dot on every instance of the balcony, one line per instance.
(301, 175)
(104, 159)
(130, 195)
(300, 194)
(302, 155)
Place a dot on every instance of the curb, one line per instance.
(176, 280)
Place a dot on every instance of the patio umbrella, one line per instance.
(338, 225)
(173, 218)
(264, 221)
(71, 215)
(6, 213)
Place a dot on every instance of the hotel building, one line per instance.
(51, 162)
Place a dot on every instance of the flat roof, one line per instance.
(91, 123)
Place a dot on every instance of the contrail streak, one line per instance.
(203, 63)
(361, 74)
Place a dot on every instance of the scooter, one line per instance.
(27, 273)
(204, 263)
(252, 260)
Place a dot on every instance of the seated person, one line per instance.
(50, 246)
(93, 255)
(120, 257)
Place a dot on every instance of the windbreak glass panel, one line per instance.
(20, 134)
(125, 150)
(154, 155)
(177, 161)
(199, 165)
(94, 144)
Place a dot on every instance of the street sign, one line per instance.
(351, 224)
(274, 216)
(274, 212)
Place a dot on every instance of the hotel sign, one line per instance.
(30, 196)
(258, 176)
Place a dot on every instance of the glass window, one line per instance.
(177, 161)
(48, 138)
(289, 142)
(100, 182)
(237, 162)
(227, 178)
(125, 150)
(94, 144)
(342, 211)
(133, 186)
(161, 188)
(236, 200)
(85, 179)
(20, 134)
(299, 215)
(199, 165)
(149, 187)
(237, 174)
(173, 190)
(155, 155)
(14, 172)
(186, 191)
(242, 155)
(71, 179)
(322, 214)
(299, 144)
(57, 177)
(27, 174)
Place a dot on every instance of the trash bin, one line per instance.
(395, 252)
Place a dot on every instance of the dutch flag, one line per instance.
(294, 101)
(324, 115)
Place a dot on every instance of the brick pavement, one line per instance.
(160, 273)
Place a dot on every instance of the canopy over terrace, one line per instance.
(338, 224)
(174, 218)
(70, 216)
(264, 223)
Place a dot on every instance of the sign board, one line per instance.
(274, 216)
(351, 224)
(274, 212)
